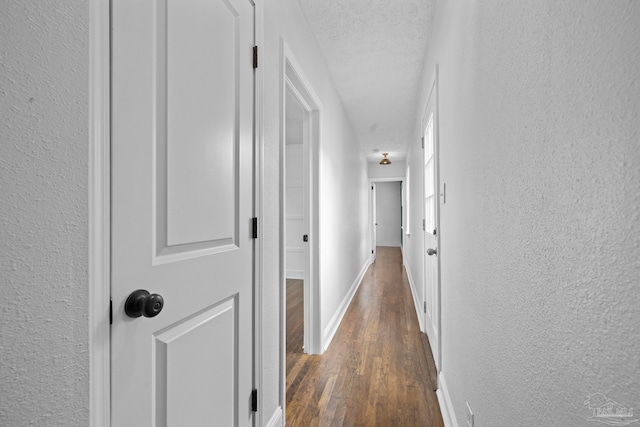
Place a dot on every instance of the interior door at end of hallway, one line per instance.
(182, 203)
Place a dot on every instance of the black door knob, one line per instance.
(141, 303)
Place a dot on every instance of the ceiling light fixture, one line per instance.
(384, 160)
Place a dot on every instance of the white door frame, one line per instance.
(294, 80)
(372, 208)
(99, 215)
(258, 212)
(296, 83)
(309, 329)
(99, 245)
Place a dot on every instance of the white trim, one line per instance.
(295, 274)
(388, 179)
(276, 419)
(99, 218)
(334, 323)
(416, 303)
(444, 399)
(299, 85)
(281, 236)
(259, 209)
(295, 81)
(389, 244)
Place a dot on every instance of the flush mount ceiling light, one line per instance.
(384, 160)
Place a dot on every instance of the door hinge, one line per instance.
(111, 311)
(424, 306)
(305, 238)
(254, 400)
(423, 225)
(423, 142)
(371, 250)
(254, 231)
(255, 57)
(435, 231)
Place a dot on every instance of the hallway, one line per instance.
(376, 370)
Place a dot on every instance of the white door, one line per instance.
(431, 231)
(182, 191)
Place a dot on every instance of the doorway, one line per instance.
(300, 235)
(388, 213)
(296, 222)
(299, 208)
(386, 207)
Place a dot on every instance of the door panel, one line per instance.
(431, 209)
(201, 129)
(182, 203)
(183, 355)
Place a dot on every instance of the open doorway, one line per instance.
(300, 238)
(386, 206)
(295, 230)
(388, 213)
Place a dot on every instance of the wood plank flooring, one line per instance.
(295, 316)
(377, 371)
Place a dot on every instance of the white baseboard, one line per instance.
(393, 245)
(276, 419)
(446, 407)
(332, 327)
(295, 274)
(416, 303)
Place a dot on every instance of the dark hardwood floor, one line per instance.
(295, 316)
(378, 370)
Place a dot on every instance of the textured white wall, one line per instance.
(345, 246)
(540, 140)
(43, 238)
(388, 218)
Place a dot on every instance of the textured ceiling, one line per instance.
(375, 52)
